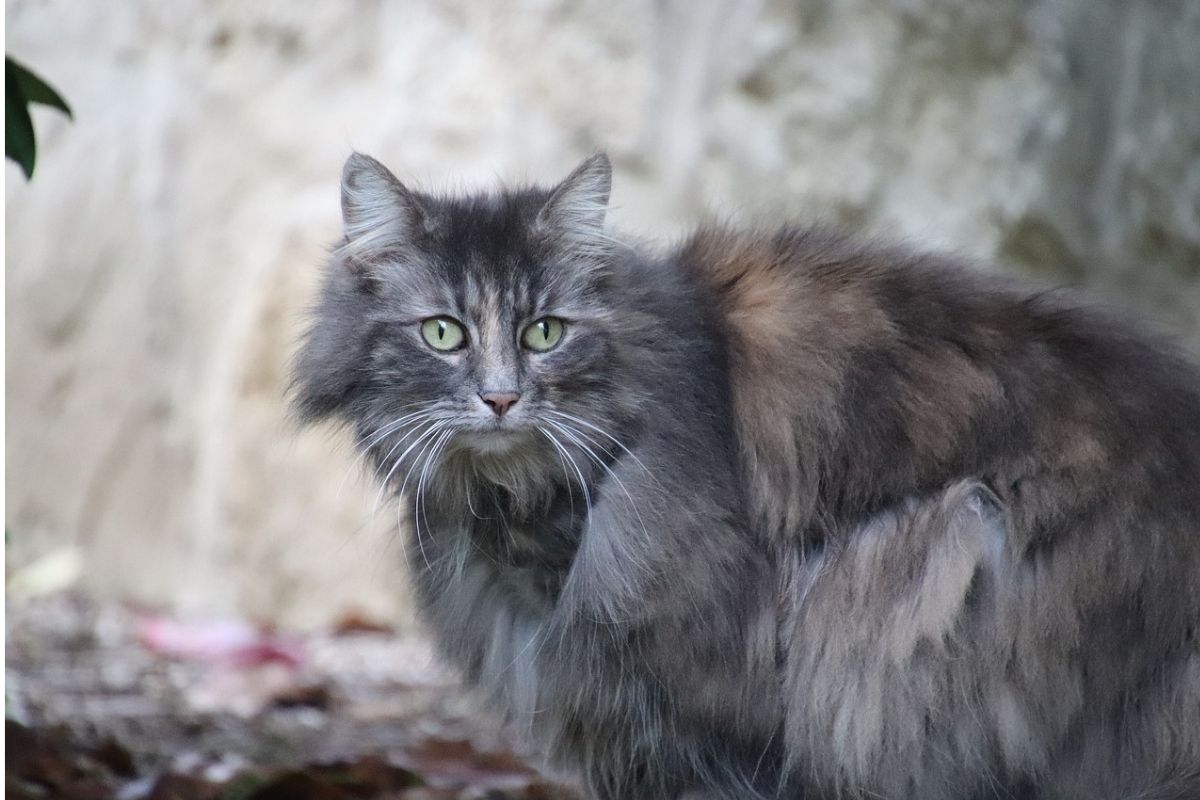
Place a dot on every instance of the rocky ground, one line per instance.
(110, 701)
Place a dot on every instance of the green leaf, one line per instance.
(22, 87)
(34, 89)
(19, 143)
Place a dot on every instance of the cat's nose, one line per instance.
(499, 402)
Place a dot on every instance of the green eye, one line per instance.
(543, 335)
(443, 333)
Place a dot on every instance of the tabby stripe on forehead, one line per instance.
(461, 291)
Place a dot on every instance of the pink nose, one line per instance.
(499, 402)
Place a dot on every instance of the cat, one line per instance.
(774, 513)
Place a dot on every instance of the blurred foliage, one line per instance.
(22, 88)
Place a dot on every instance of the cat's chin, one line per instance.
(494, 442)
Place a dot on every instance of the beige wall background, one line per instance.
(159, 263)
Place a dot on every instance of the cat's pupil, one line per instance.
(441, 332)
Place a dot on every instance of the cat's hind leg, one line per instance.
(892, 652)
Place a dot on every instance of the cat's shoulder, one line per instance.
(752, 266)
(838, 288)
(772, 285)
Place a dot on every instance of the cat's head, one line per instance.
(480, 322)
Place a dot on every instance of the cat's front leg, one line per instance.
(671, 644)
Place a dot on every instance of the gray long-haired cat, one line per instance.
(775, 514)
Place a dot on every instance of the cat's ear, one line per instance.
(379, 213)
(578, 205)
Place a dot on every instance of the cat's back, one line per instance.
(864, 373)
(867, 380)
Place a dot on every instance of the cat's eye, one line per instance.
(543, 335)
(443, 333)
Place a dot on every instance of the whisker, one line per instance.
(591, 440)
(436, 425)
(417, 461)
(466, 490)
(419, 504)
(400, 506)
(369, 440)
(425, 436)
(567, 475)
(607, 435)
(587, 496)
(373, 438)
(574, 436)
(428, 417)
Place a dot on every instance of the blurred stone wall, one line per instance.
(159, 263)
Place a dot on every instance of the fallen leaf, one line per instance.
(306, 695)
(296, 785)
(183, 787)
(113, 755)
(368, 777)
(232, 642)
(355, 621)
(456, 762)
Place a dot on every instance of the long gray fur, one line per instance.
(785, 514)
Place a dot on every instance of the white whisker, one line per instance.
(587, 496)
(574, 436)
(425, 436)
(567, 475)
(419, 502)
(416, 462)
(374, 438)
(436, 425)
(607, 435)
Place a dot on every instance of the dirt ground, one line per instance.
(109, 701)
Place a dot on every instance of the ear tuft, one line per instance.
(578, 205)
(378, 211)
